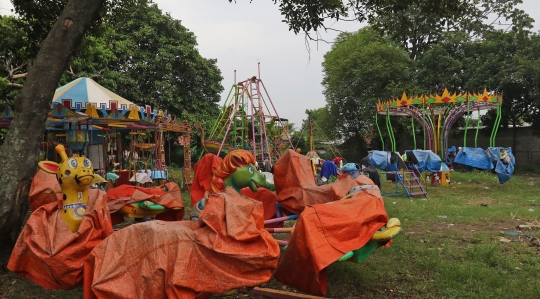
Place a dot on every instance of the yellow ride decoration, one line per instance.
(75, 175)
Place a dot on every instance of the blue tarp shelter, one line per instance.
(382, 160)
(426, 160)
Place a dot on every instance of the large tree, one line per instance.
(417, 30)
(362, 68)
(150, 58)
(509, 63)
(19, 153)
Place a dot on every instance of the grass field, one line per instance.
(472, 239)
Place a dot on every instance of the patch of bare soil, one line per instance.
(524, 232)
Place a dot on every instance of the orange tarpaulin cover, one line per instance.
(204, 170)
(41, 190)
(323, 234)
(227, 249)
(296, 188)
(49, 254)
(268, 199)
(171, 199)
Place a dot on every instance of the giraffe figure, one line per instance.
(75, 175)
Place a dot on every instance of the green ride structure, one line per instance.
(436, 114)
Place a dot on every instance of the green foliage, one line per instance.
(445, 65)
(4, 83)
(135, 50)
(361, 68)
(452, 47)
(14, 55)
(322, 125)
(307, 16)
(40, 15)
(417, 29)
(150, 58)
(300, 139)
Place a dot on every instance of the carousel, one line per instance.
(125, 142)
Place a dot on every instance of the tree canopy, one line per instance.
(137, 52)
(461, 55)
(362, 68)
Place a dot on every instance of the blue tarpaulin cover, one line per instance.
(474, 157)
(427, 160)
(329, 169)
(381, 160)
(504, 171)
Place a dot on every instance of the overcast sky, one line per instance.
(243, 34)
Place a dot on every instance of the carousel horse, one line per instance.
(75, 175)
(237, 170)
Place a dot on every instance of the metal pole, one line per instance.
(379, 129)
(275, 111)
(477, 127)
(413, 133)
(310, 135)
(466, 122)
(231, 118)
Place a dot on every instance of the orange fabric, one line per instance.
(266, 197)
(49, 254)
(364, 180)
(296, 188)
(40, 191)
(227, 249)
(323, 234)
(126, 194)
(202, 179)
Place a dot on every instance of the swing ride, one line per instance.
(249, 121)
(436, 114)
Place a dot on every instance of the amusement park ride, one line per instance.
(436, 114)
(69, 239)
(249, 121)
(93, 121)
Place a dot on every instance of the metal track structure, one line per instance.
(250, 121)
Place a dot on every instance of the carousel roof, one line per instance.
(78, 93)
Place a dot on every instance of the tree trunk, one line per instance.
(19, 154)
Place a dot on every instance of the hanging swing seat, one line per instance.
(503, 161)
(499, 160)
(474, 157)
(144, 146)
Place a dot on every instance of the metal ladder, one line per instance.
(258, 121)
(411, 183)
